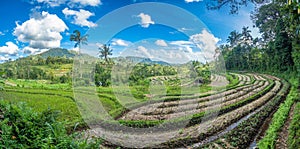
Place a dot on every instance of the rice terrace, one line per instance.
(211, 74)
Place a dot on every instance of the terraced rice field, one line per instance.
(228, 118)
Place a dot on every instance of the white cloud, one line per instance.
(82, 3)
(10, 49)
(1, 33)
(80, 17)
(120, 42)
(52, 3)
(145, 20)
(41, 32)
(181, 42)
(3, 58)
(205, 41)
(190, 1)
(33, 51)
(144, 52)
(161, 43)
(87, 2)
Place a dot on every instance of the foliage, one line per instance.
(78, 38)
(105, 51)
(40, 99)
(265, 17)
(234, 4)
(21, 127)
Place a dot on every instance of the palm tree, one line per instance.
(105, 51)
(76, 36)
(246, 33)
(233, 38)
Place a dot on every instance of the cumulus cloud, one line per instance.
(145, 20)
(87, 2)
(80, 17)
(199, 47)
(3, 58)
(205, 41)
(41, 32)
(120, 42)
(10, 49)
(190, 1)
(54, 3)
(144, 51)
(161, 43)
(181, 42)
(33, 51)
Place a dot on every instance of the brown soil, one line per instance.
(281, 142)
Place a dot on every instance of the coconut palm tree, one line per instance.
(78, 38)
(234, 38)
(105, 51)
(246, 36)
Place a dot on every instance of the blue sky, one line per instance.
(33, 26)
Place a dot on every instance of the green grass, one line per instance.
(38, 84)
(41, 102)
(23, 127)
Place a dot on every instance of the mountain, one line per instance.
(57, 52)
(145, 60)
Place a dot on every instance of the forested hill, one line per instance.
(57, 52)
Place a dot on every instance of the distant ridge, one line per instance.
(57, 52)
(145, 60)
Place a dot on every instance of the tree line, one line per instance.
(278, 50)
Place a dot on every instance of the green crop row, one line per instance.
(197, 118)
(65, 94)
(294, 129)
(242, 135)
(278, 121)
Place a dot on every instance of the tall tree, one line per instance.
(282, 47)
(78, 38)
(246, 34)
(265, 17)
(234, 4)
(105, 51)
(234, 38)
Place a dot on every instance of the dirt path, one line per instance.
(281, 142)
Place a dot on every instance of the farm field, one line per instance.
(103, 74)
(247, 99)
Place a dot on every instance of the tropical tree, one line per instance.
(235, 5)
(265, 17)
(105, 51)
(78, 38)
(246, 34)
(234, 38)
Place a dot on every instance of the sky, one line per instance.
(158, 29)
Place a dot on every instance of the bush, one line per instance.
(21, 127)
